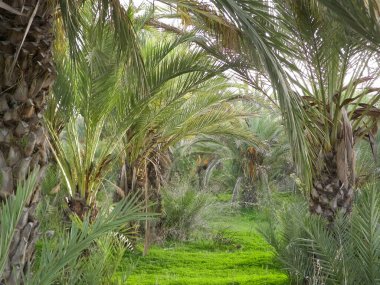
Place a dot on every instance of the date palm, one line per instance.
(328, 71)
(27, 74)
(324, 83)
(246, 166)
(188, 95)
(336, 88)
(69, 247)
(257, 51)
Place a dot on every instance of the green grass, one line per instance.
(234, 254)
(224, 197)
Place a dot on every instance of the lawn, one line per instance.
(234, 254)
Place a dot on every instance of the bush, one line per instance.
(99, 264)
(185, 210)
(88, 253)
(346, 252)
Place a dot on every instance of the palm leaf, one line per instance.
(11, 211)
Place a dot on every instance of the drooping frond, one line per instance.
(253, 19)
(102, 17)
(363, 17)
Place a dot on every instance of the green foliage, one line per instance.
(83, 157)
(66, 252)
(106, 113)
(11, 211)
(346, 252)
(359, 16)
(82, 136)
(331, 77)
(188, 96)
(136, 92)
(185, 210)
(367, 164)
(238, 164)
(326, 65)
(99, 264)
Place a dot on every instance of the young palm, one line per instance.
(83, 134)
(188, 95)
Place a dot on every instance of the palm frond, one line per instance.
(346, 252)
(242, 13)
(81, 236)
(11, 211)
(366, 234)
(359, 16)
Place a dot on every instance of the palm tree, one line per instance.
(84, 97)
(244, 34)
(336, 87)
(246, 166)
(324, 89)
(28, 72)
(313, 252)
(69, 247)
(27, 75)
(188, 95)
(98, 113)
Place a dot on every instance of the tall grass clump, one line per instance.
(344, 252)
(100, 264)
(185, 211)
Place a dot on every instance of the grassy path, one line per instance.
(234, 254)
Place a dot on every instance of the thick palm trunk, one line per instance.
(333, 185)
(27, 74)
(330, 194)
(147, 178)
(248, 197)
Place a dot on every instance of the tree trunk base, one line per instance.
(79, 207)
(329, 195)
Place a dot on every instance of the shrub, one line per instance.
(99, 264)
(346, 252)
(184, 211)
(72, 256)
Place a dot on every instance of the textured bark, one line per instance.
(333, 186)
(81, 208)
(147, 178)
(248, 195)
(27, 74)
(329, 193)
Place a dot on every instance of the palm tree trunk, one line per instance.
(333, 186)
(79, 206)
(330, 194)
(27, 75)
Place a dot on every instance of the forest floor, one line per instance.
(234, 253)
